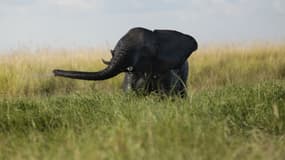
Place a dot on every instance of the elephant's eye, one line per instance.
(130, 69)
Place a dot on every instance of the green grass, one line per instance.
(235, 110)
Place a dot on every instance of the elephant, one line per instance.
(153, 61)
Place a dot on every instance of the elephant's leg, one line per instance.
(179, 80)
(134, 82)
(141, 83)
(128, 82)
(183, 73)
(164, 83)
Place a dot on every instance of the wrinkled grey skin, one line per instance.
(153, 61)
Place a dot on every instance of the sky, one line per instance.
(92, 23)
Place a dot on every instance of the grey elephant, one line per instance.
(153, 61)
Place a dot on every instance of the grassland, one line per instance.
(235, 109)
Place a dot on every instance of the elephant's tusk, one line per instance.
(105, 62)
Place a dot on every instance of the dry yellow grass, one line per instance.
(26, 72)
(231, 64)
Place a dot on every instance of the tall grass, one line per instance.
(229, 123)
(226, 65)
(25, 72)
(235, 109)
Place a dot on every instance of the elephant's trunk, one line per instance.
(117, 64)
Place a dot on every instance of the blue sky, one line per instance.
(91, 23)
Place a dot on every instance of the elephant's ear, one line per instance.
(173, 49)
